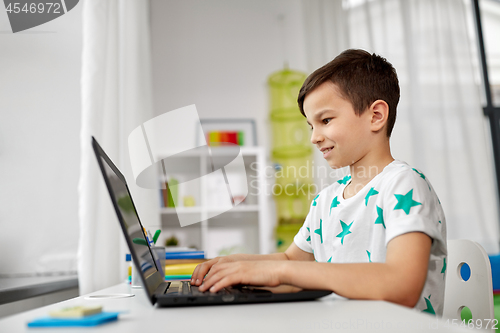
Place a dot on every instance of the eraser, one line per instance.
(76, 311)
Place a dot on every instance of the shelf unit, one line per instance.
(245, 227)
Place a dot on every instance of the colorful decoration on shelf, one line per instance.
(218, 138)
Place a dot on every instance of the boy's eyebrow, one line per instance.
(318, 115)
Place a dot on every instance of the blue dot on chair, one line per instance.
(464, 269)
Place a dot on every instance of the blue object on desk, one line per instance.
(93, 320)
(495, 271)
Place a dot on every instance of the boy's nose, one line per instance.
(316, 137)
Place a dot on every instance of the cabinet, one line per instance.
(222, 228)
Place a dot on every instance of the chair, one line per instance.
(477, 292)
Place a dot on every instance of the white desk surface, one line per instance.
(330, 313)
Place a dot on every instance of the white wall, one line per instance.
(39, 144)
(218, 55)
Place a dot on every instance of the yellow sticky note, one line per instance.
(76, 311)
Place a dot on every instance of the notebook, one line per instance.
(177, 293)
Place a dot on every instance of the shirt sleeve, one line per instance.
(303, 238)
(411, 205)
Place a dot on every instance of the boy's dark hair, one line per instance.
(362, 79)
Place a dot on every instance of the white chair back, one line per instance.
(477, 292)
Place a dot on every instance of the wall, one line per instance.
(218, 54)
(39, 144)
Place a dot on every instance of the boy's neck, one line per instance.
(364, 170)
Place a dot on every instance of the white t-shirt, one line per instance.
(398, 200)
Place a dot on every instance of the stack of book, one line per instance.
(181, 262)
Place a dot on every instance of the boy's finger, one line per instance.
(198, 278)
(214, 276)
(195, 274)
(200, 272)
(226, 281)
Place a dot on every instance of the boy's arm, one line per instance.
(399, 280)
(292, 253)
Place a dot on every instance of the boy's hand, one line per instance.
(256, 273)
(202, 269)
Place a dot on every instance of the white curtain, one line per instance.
(116, 98)
(440, 127)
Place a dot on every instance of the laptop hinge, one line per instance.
(162, 288)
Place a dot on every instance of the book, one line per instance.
(177, 277)
(184, 261)
(180, 269)
(164, 197)
(185, 255)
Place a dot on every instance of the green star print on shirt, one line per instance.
(430, 308)
(371, 192)
(334, 204)
(380, 217)
(320, 231)
(422, 176)
(406, 202)
(443, 270)
(314, 200)
(344, 180)
(345, 231)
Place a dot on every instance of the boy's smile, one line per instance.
(342, 136)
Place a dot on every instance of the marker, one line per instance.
(155, 237)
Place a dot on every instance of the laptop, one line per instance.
(177, 293)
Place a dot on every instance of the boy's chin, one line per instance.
(334, 165)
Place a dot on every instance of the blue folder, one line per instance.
(93, 320)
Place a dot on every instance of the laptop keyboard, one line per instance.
(185, 288)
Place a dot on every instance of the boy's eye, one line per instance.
(326, 120)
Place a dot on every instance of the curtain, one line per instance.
(116, 98)
(440, 127)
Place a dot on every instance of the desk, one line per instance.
(325, 315)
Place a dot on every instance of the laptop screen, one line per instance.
(132, 224)
(134, 232)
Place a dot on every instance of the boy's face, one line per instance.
(342, 136)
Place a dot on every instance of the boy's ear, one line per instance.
(379, 111)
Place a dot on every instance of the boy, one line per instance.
(379, 233)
